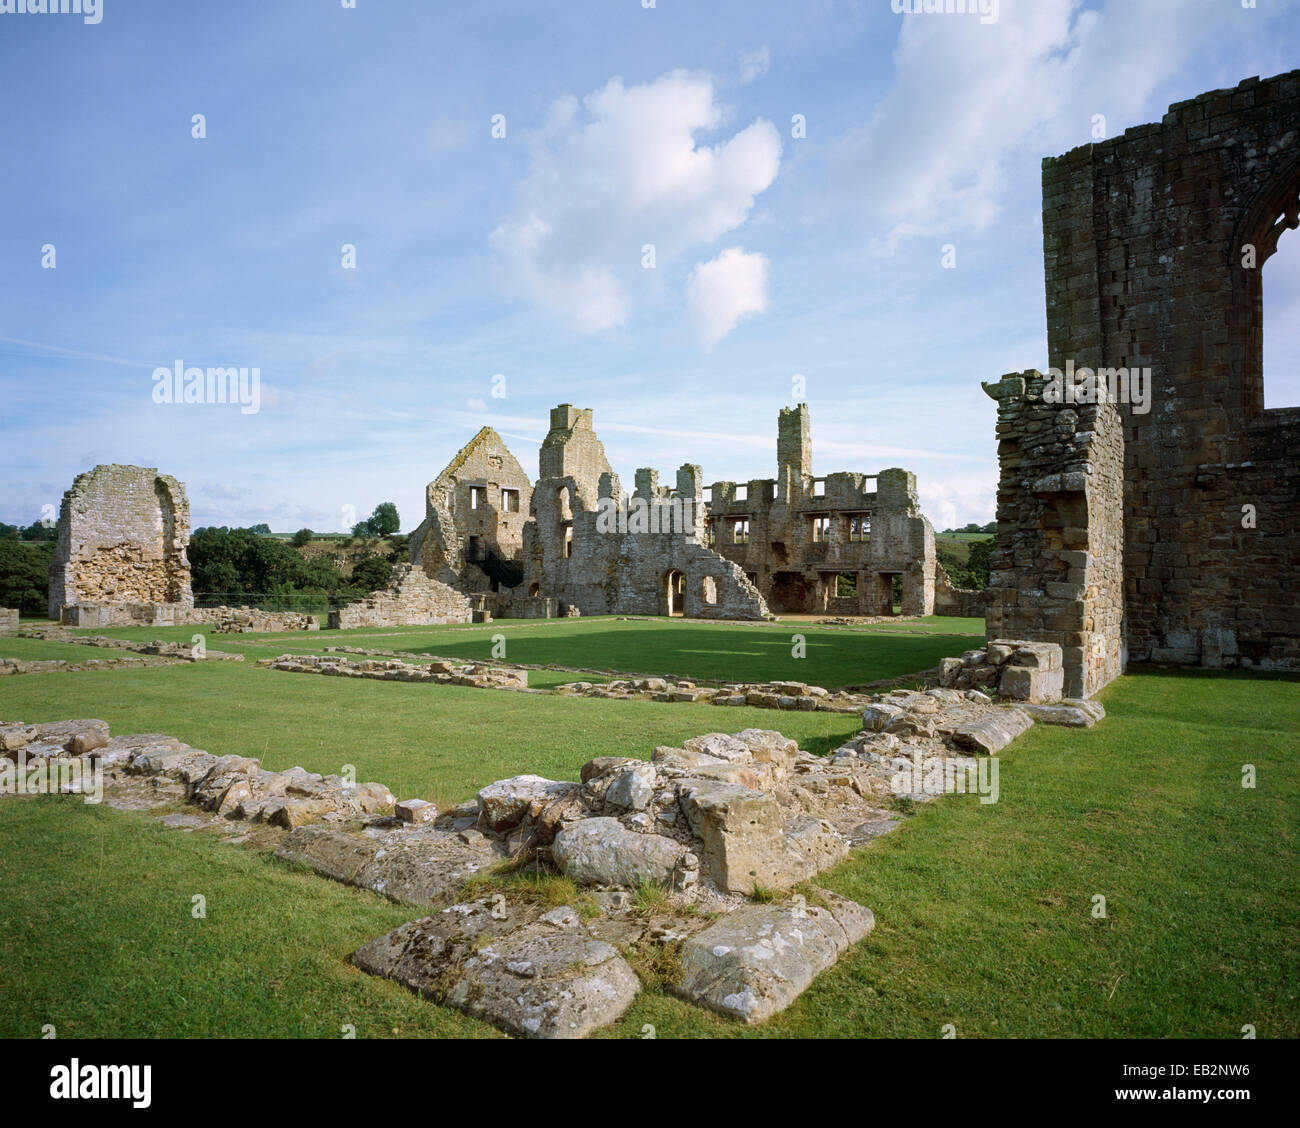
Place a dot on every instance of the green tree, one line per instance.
(977, 563)
(301, 537)
(38, 531)
(25, 576)
(384, 521)
(370, 573)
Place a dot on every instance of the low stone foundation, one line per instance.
(410, 599)
(1022, 671)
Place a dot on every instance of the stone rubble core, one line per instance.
(8, 620)
(10, 666)
(181, 651)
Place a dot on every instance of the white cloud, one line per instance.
(754, 64)
(973, 107)
(622, 172)
(722, 291)
(952, 503)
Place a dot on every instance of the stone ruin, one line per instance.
(796, 543)
(727, 828)
(120, 557)
(1169, 530)
(572, 543)
(475, 510)
(410, 599)
(802, 540)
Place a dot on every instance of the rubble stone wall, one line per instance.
(1056, 569)
(122, 537)
(1155, 247)
(410, 599)
(475, 509)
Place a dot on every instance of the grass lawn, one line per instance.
(984, 913)
(689, 648)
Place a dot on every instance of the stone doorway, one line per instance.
(674, 592)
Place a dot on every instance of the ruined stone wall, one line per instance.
(964, 603)
(410, 599)
(475, 510)
(598, 566)
(1154, 243)
(1056, 571)
(873, 530)
(122, 538)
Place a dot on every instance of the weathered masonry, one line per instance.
(596, 551)
(835, 544)
(120, 556)
(797, 543)
(1172, 534)
(475, 511)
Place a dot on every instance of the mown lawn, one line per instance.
(831, 657)
(984, 913)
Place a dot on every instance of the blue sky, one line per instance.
(775, 255)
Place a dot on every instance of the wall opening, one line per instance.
(674, 589)
(1280, 283)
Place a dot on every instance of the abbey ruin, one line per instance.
(120, 556)
(572, 543)
(1166, 530)
(1172, 536)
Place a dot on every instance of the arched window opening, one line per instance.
(1281, 316)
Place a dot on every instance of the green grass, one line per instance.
(833, 656)
(734, 652)
(97, 938)
(984, 913)
(439, 742)
(37, 649)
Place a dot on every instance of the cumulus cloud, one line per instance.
(722, 291)
(620, 170)
(952, 503)
(973, 107)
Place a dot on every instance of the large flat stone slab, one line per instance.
(992, 732)
(535, 976)
(756, 961)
